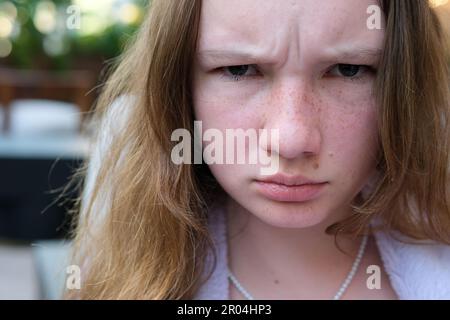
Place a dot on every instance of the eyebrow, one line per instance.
(229, 54)
(344, 54)
(357, 53)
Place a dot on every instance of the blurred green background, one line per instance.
(65, 34)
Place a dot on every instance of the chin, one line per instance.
(291, 215)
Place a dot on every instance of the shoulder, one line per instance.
(216, 286)
(417, 270)
(105, 129)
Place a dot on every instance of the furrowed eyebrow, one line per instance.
(218, 55)
(359, 53)
(344, 54)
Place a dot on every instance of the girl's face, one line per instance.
(306, 68)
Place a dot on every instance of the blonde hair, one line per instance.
(151, 238)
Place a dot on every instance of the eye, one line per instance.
(349, 70)
(240, 71)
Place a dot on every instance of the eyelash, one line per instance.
(365, 68)
(237, 77)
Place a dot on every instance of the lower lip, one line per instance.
(284, 193)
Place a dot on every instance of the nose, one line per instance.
(294, 111)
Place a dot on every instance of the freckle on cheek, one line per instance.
(331, 154)
(315, 165)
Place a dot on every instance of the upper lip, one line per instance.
(288, 180)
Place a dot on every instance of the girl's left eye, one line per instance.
(348, 70)
(240, 71)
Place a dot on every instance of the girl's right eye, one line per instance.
(239, 72)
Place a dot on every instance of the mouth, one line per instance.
(285, 188)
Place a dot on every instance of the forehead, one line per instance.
(277, 24)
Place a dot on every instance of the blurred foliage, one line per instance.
(65, 34)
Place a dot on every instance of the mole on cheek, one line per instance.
(316, 165)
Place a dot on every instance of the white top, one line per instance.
(415, 271)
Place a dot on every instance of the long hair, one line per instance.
(412, 90)
(142, 230)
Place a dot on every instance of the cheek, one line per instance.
(352, 134)
(222, 111)
(351, 112)
(225, 112)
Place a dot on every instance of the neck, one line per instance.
(309, 255)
